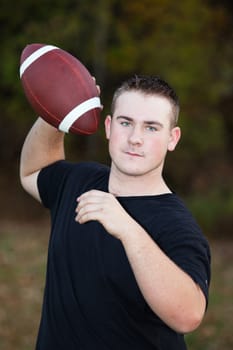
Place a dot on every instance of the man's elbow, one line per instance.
(192, 315)
(187, 319)
(189, 322)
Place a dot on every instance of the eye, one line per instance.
(125, 123)
(151, 128)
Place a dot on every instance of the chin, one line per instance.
(131, 171)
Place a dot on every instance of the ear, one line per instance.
(174, 138)
(107, 124)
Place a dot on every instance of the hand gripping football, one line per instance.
(60, 89)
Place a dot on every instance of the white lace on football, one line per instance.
(77, 112)
(34, 56)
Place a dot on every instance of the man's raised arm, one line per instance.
(43, 145)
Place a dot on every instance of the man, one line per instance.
(128, 266)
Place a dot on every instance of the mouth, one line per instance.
(134, 154)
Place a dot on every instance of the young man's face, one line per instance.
(140, 133)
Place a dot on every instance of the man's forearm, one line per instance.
(169, 291)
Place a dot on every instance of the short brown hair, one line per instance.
(151, 85)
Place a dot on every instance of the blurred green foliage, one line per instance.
(188, 43)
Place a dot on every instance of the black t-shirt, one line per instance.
(91, 299)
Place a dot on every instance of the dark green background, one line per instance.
(188, 43)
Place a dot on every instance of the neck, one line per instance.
(121, 184)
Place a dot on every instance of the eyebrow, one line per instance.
(146, 122)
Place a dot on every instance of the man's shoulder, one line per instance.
(89, 169)
(69, 166)
(92, 166)
(64, 176)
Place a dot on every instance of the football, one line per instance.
(60, 89)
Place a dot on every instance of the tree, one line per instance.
(114, 39)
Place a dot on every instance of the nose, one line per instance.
(136, 136)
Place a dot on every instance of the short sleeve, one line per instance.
(51, 180)
(62, 176)
(189, 249)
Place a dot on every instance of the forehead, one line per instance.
(139, 105)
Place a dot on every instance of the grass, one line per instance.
(23, 253)
(22, 269)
